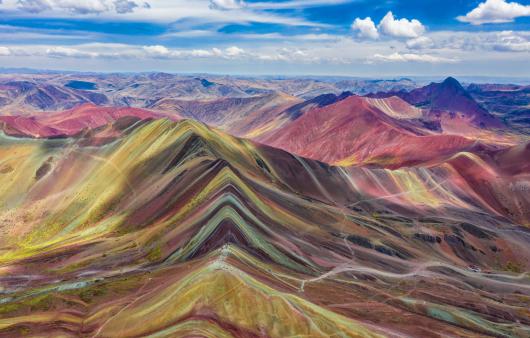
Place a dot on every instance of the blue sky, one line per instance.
(284, 37)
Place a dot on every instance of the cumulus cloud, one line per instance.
(366, 28)
(402, 28)
(79, 6)
(226, 4)
(409, 57)
(495, 11)
(389, 26)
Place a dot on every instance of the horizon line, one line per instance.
(28, 71)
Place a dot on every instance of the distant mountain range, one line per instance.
(43, 92)
(383, 129)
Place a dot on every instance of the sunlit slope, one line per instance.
(239, 302)
(355, 131)
(175, 229)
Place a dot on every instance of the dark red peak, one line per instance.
(319, 101)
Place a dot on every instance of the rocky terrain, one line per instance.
(157, 205)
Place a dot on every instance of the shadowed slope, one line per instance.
(447, 98)
(239, 116)
(509, 103)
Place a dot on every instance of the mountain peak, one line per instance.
(452, 82)
(450, 79)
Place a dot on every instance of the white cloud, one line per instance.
(60, 52)
(421, 42)
(227, 4)
(440, 48)
(19, 34)
(234, 51)
(409, 57)
(229, 53)
(33, 6)
(181, 15)
(389, 26)
(283, 37)
(189, 34)
(483, 52)
(297, 55)
(78, 6)
(123, 51)
(202, 53)
(509, 41)
(495, 11)
(15, 51)
(366, 28)
(473, 42)
(4, 51)
(402, 28)
(126, 6)
(157, 51)
(295, 4)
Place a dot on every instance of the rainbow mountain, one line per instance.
(163, 228)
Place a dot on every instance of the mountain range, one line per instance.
(225, 207)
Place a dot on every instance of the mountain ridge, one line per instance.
(379, 220)
(447, 97)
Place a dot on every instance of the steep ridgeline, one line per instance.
(447, 100)
(177, 229)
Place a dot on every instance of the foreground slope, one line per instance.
(176, 229)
